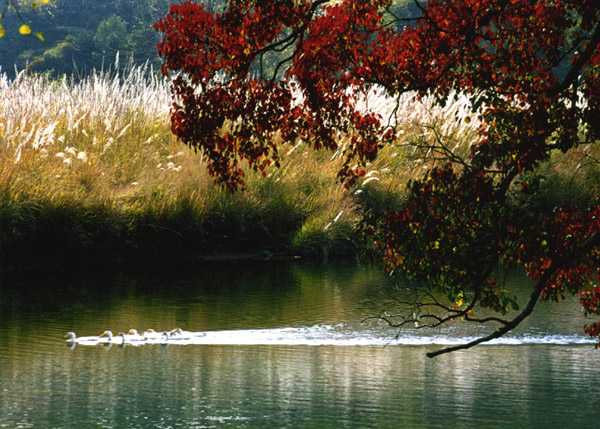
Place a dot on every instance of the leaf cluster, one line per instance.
(530, 68)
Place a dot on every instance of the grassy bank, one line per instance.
(90, 173)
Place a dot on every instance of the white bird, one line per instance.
(178, 334)
(72, 338)
(151, 334)
(133, 336)
(108, 335)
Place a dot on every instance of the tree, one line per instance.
(531, 70)
(110, 35)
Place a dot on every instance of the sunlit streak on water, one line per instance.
(339, 335)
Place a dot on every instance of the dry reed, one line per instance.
(98, 152)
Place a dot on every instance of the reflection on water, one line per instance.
(263, 382)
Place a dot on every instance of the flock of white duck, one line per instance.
(149, 336)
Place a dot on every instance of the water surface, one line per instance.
(286, 346)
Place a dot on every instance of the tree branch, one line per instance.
(573, 74)
(533, 298)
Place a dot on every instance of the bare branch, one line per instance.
(535, 294)
(573, 74)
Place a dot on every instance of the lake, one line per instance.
(286, 346)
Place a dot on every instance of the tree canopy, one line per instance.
(531, 70)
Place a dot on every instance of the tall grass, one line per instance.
(90, 167)
(89, 170)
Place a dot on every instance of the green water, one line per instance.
(325, 368)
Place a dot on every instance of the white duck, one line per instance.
(151, 334)
(106, 337)
(72, 338)
(155, 337)
(178, 334)
(133, 336)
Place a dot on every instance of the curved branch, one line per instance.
(535, 294)
(533, 298)
(291, 57)
(573, 74)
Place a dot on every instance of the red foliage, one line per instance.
(459, 221)
(590, 300)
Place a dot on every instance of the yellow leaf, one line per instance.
(45, 1)
(40, 36)
(24, 29)
(1, 30)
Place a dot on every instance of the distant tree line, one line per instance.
(80, 35)
(83, 35)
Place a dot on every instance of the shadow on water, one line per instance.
(235, 295)
(223, 295)
(51, 290)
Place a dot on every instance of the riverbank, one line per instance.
(91, 174)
